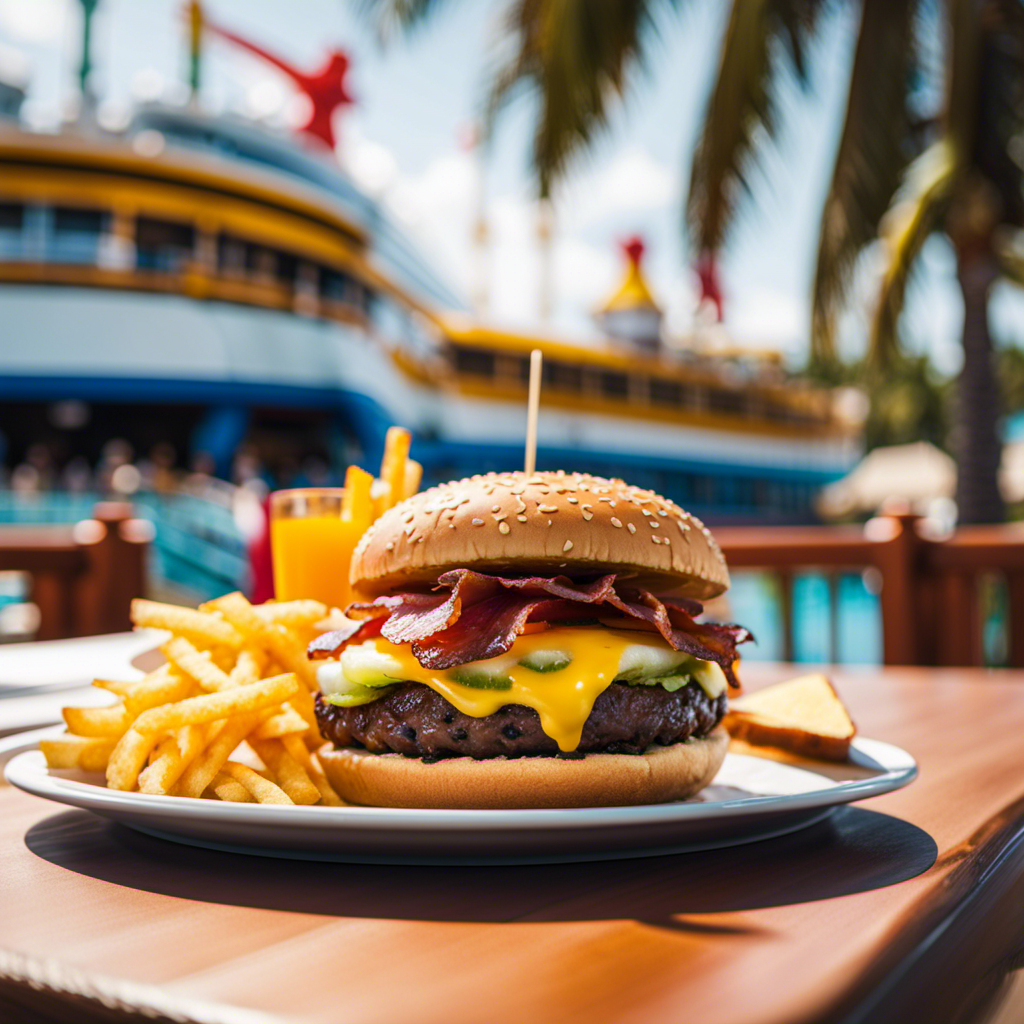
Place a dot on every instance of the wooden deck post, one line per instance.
(897, 549)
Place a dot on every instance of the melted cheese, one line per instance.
(563, 698)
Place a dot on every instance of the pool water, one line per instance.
(754, 602)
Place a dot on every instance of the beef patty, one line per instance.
(416, 721)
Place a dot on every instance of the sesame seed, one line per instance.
(587, 514)
(389, 546)
(662, 512)
(495, 508)
(645, 512)
(567, 546)
(504, 527)
(477, 522)
(683, 527)
(521, 519)
(501, 515)
(573, 501)
(655, 540)
(617, 523)
(631, 527)
(420, 539)
(549, 522)
(547, 508)
(451, 526)
(664, 540)
(654, 524)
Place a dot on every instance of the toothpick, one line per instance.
(533, 404)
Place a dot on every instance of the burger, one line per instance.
(528, 641)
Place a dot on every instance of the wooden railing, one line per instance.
(930, 588)
(83, 576)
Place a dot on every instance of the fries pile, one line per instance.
(228, 717)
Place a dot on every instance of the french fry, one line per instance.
(220, 747)
(226, 788)
(211, 706)
(357, 502)
(294, 745)
(265, 791)
(197, 664)
(165, 686)
(90, 753)
(128, 758)
(392, 467)
(294, 614)
(413, 478)
(110, 721)
(163, 769)
(249, 666)
(203, 627)
(118, 687)
(289, 773)
(284, 723)
(283, 646)
(191, 740)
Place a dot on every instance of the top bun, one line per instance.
(544, 524)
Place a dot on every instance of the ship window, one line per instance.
(12, 216)
(666, 392)
(230, 253)
(287, 268)
(71, 221)
(614, 385)
(471, 360)
(563, 376)
(162, 244)
(720, 400)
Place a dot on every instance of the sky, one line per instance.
(404, 141)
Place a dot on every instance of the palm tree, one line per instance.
(900, 174)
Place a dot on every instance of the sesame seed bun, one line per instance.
(545, 524)
(660, 775)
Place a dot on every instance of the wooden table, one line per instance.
(908, 907)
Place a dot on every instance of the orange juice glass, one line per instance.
(312, 545)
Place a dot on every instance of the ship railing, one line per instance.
(942, 600)
(82, 576)
(197, 550)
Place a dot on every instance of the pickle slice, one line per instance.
(545, 661)
(479, 679)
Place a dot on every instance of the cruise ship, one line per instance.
(205, 281)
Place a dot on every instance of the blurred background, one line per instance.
(769, 250)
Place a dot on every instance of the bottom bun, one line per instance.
(596, 780)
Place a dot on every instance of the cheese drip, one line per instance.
(563, 698)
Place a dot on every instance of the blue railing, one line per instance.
(198, 546)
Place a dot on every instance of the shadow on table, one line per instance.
(855, 850)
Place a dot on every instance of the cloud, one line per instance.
(762, 316)
(632, 182)
(34, 21)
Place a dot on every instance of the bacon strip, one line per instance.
(481, 617)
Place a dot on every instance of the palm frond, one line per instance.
(389, 17)
(917, 213)
(1009, 251)
(876, 145)
(577, 55)
(742, 107)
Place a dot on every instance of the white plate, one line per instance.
(751, 798)
(62, 664)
